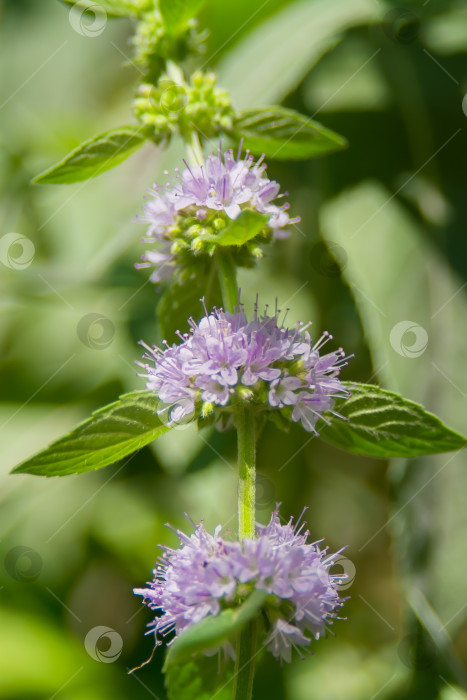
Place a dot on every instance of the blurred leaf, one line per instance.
(383, 424)
(177, 13)
(214, 630)
(272, 60)
(95, 156)
(240, 230)
(113, 8)
(284, 134)
(112, 432)
(200, 679)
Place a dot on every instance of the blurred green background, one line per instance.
(379, 260)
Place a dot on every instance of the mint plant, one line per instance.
(269, 587)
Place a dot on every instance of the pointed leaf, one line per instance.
(214, 630)
(111, 433)
(95, 156)
(112, 8)
(284, 134)
(177, 13)
(240, 230)
(383, 424)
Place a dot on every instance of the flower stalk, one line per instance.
(246, 640)
(227, 280)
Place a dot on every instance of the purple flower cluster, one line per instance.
(208, 573)
(179, 215)
(226, 359)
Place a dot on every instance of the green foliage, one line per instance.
(214, 629)
(382, 424)
(95, 156)
(240, 230)
(113, 8)
(200, 678)
(284, 134)
(112, 432)
(177, 13)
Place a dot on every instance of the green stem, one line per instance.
(228, 280)
(246, 472)
(246, 640)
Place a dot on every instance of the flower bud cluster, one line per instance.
(154, 45)
(168, 107)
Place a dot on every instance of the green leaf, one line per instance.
(240, 230)
(199, 679)
(95, 156)
(383, 424)
(180, 301)
(270, 62)
(177, 13)
(112, 8)
(284, 134)
(111, 433)
(214, 630)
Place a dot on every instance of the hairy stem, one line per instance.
(246, 640)
(228, 280)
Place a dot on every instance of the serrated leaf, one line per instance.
(95, 156)
(111, 433)
(383, 424)
(200, 679)
(177, 13)
(214, 630)
(240, 230)
(113, 8)
(284, 134)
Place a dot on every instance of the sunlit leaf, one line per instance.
(240, 230)
(200, 678)
(382, 424)
(95, 156)
(284, 134)
(112, 432)
(214, 629)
